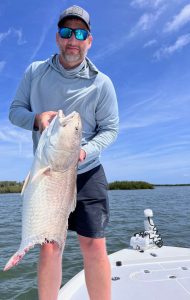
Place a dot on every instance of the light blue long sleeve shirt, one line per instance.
(46, 86)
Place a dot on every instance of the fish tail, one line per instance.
(15, 259)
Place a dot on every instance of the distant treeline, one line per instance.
(182, 184)
(130, 185)
(10, 187)
(16, 187)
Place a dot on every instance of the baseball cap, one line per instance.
(76, 12)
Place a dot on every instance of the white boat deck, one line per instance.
(155, 274)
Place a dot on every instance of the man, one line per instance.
(69, 81)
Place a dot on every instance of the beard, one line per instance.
(73, 58)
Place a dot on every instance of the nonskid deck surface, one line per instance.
(162, 273)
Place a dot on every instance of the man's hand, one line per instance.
(82, 155)
(43, 120)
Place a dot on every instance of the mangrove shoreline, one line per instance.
(16, 187)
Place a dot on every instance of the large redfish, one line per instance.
(49, 192)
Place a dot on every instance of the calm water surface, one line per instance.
(171, 207)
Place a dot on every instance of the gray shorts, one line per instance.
(92, 210)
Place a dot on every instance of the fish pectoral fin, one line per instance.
(45, 171)
(25, 183)
(74, 200)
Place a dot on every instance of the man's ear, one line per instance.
(90, 39)
(57, 38)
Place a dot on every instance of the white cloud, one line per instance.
(145, 3)
(2, 65)
(146, 22)
(12, 137)
(3, 35)
(150, 43)
(181, 42)
(13, 134)
(146, 121)
(13, 32)
(40, 43)
(43, 35)
(110, 49)
(18, 33)
(179, 20)
(164, 164)
(158, 109)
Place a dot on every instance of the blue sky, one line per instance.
(144, 46)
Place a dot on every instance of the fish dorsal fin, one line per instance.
(50, 127)
(43, 138)
(41, 143)
(40, 172)
(25, 183)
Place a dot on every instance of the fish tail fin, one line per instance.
(15, 259)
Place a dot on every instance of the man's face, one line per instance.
(73, 51)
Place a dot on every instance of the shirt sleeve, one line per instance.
(107, 121)
(20, 113)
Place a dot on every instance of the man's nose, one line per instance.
(72, 38)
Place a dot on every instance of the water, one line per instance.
(171, 216)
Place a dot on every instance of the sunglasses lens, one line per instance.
(65, 32)
(81, 34)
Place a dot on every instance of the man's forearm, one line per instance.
(100, 142)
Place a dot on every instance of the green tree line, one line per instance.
(16, 187)
(10, 187)
(130, 185)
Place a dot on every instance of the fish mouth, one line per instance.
(60, 113)
(64, 120)
(79, 124)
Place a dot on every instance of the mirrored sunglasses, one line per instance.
(80, 34)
